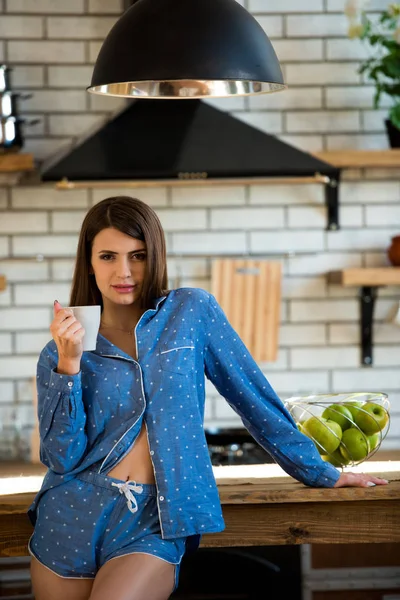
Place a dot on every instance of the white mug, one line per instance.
(89, 318)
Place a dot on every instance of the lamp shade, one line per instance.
(186, 49)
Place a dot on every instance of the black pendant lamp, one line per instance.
(186, 49)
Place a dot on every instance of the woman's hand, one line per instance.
(68, 334)
(358, 480)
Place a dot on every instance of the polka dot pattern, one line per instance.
(90, 420)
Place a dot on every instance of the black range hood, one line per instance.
(167, 140)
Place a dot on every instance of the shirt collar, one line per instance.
(105, 347)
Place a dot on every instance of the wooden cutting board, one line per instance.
(249, 292)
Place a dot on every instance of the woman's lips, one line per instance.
(124, 289)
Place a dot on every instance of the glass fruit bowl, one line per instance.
(347, 428)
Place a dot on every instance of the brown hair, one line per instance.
(132, 217)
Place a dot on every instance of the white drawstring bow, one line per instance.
(127, 488)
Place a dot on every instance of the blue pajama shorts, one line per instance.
(85, 522)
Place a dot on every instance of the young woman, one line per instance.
(130, 485)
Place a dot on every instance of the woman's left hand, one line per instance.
(359, 480)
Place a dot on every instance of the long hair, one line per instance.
(132, 217)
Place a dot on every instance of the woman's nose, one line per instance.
(123, 269)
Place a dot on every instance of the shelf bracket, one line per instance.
(332, 203)
(368, 296)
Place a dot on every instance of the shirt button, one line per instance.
(70, 384)
(120, 448)
(152, 452)
(161, 498)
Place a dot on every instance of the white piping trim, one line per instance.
(118, 356)
(175, 564)
(178, 348)
(147, 553)
(155, 481)
(51, 570)
(121, 438)
(144, 400)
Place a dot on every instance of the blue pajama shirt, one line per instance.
(88, 422)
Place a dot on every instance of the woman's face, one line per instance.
(119, 266)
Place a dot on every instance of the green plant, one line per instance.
(383, 37)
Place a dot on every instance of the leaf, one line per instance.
(376, 71)
(391, 45)
(375, 39)
(391, 89)
(377, 97)
(391, 64)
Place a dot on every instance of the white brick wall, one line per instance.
(52, 46)
(319, 335)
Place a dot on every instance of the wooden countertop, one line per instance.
(262, 505)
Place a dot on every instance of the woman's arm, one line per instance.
(237, 377)
(61, 415)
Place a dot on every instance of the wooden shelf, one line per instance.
(361, 159)
(14, 166)
(368, 281)
(14, 161)
(366, 277)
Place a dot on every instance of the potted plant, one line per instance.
(383, 66)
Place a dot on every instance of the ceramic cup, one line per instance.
(89, 318)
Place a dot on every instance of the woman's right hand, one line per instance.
(67, 333)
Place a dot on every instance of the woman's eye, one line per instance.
(140, 257)
(106, 256)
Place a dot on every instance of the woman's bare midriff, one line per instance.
(136, 465)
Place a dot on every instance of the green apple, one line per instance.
(325, 433)
(353, 407)
(354, 445)
(300, 426)
(373, 440)
(372, 418)
(336, 458)
(339, 413)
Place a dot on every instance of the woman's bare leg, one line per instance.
(134, 577)
(46, 585)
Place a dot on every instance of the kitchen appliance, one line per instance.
(11, 134)
(5, 78)
(11, 138)
(234, 446)
(9, 103)
(159, 139)
(239, 573)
